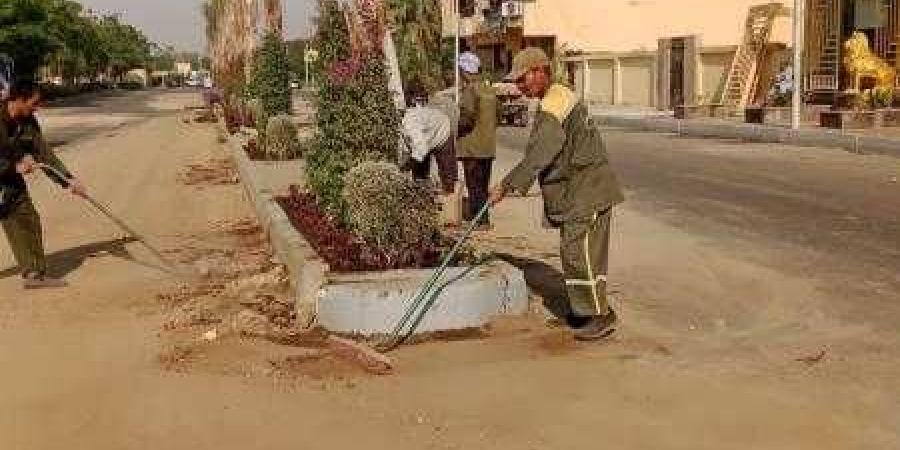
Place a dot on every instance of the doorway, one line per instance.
(676, 73)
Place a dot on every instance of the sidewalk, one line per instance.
(883, 141)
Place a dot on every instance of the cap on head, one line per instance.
(469, 63)
(526, 60)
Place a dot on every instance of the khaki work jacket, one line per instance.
(567, 154)
(478, 109)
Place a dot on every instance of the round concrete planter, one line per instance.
(373, 303)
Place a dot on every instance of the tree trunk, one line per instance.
(274, 17)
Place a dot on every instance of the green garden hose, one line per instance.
(428, 294)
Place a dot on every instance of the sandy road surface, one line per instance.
(81, 371)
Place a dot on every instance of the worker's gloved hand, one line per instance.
(498, 193)
(77, 188)
(26, 166)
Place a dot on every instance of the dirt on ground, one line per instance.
(213, 172)
(715, 352)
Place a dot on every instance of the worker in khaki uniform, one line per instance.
(477, 146)
(22, 150)
(567, 155)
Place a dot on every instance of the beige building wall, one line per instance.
(631, 25)
(620, 39)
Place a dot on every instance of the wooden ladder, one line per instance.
(743, 76)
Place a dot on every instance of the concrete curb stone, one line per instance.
(306, 269)
(758, 133)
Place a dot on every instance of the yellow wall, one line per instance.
(628, 25)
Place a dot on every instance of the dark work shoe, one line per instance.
(577, 322)
(598, 327)
(43, 282)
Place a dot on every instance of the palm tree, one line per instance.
(274, 17)
(231, 32)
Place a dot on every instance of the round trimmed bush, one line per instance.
(388, 208)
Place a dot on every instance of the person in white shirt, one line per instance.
(429, 134)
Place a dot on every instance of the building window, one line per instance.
(466, 8)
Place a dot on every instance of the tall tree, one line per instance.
(125, 45)
(274, 16)
(25, 36)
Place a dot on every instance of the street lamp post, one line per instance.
(310, 56)
(456, 17)
(798, 64)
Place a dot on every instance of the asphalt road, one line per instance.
(818, 213)
(91, 116)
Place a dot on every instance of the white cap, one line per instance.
(469, 63)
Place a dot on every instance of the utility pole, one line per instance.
(457, 18)
(797, 104)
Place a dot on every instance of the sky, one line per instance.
(180, 22)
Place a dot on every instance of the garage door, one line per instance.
(600, 88)
(637, 81)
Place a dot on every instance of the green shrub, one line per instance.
(130, 85)
(281, 141)
(270, 82)
(881, 97)
(389, 209)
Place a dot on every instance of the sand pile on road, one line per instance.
(213, 172)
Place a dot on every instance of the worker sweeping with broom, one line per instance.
(22, 151)
(567, 155)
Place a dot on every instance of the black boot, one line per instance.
(577, 322)
(598, 327)
(35, 280)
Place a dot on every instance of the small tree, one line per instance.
(356, 119)
(24, 35)
(271, 81)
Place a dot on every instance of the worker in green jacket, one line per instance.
(567, 155)
(22, 151)
(477, 146)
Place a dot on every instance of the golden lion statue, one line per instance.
(861, 62)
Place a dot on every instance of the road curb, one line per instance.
(868, 145)
(307, 271)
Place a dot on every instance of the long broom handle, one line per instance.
(62, 179)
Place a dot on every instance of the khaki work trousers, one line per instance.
(26, 240)
(478, 185)
(585, 260)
